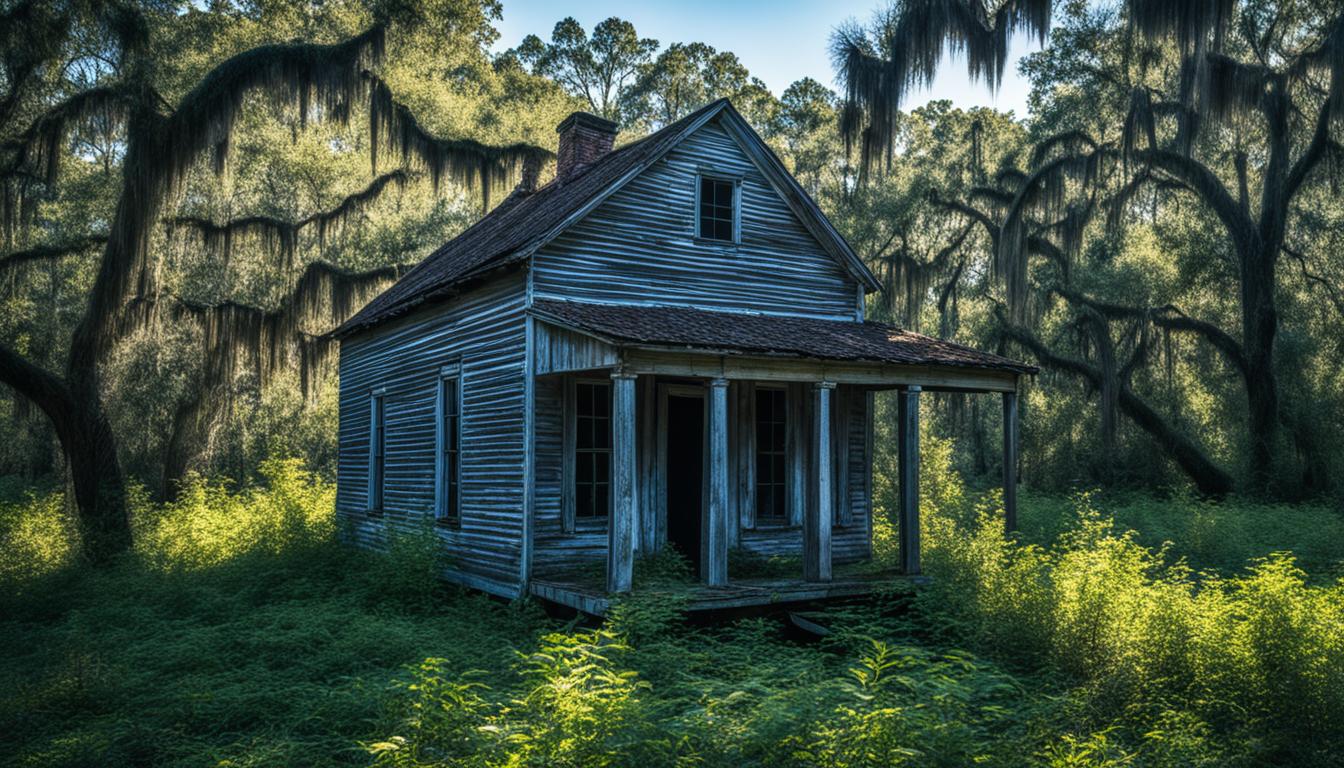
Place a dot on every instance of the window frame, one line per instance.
(773, 521)
(736, 182)
(377, 469)
(448, 491)
(572, 521)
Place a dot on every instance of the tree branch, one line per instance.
(1168, 316)
(286, 232)
(50, 252)
(1209, 188)
(1207, 476)
(1312, 155)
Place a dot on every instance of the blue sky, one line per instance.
(779, 41)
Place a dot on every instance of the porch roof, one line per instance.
(690, 328)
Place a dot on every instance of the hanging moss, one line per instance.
(394, 129)
(877, 73)
(280, 237)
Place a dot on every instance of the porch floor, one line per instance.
(587, 593)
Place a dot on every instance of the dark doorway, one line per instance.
(685, 474)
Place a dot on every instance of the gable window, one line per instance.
(377, 452)
(718, 209)
(592, 449)
(448, 468)
(771, 432)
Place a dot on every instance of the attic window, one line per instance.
(718, 209)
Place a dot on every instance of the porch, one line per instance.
(588, 593)
(667, 476)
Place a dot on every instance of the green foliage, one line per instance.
(1253, 656)
(240, 630)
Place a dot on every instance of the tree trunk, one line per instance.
(90, 449)
(1260, 322)
(100, 493)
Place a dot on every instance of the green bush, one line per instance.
(1260, 653)
(241, 632)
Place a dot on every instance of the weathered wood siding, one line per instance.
(484, 330)
(850, 539)
(640, 245)
(556, 551)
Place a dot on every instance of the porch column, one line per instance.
(908, 436)
(818, 512)
(621, 527)
(1010, 461)
(714, 517)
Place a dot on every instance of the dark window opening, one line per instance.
(716, 209)
(449, 442)
(377, 455)
(771, 433)
(592, 449)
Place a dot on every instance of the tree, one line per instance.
(158, 146)
(1230, 104)
(687, 76)
(597, 69)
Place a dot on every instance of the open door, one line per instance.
(682, 466)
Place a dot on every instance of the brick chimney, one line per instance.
(584, 138)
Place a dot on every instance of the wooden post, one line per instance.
(1010, 461)
(817, 516)
(621, 527)
(714, 516)
(908, 436)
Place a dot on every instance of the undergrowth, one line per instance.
(240, 632)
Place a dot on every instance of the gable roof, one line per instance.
(524, 222)
(814, 338)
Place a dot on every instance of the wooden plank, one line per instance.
(714, 517)
(640, 244)
(840, 456)
(796, 430)
(621, 527)
(562, 350)
(746, 454)
(529, 456)
(733, 518)
(1010, 438)
(648, 453)
(485, 330)
(739, 594)
(908, 437)
(764, 368)
(567, 455)
(819, 512)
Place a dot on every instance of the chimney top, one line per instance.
(584, 139)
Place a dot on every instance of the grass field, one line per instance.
(241, 633)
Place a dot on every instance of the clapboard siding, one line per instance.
(850, 542)
(484, 330)
(640, 245)
(556, 551)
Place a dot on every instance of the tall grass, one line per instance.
(240, 632)
(1255, 658)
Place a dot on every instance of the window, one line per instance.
(771, 432)
(448, 470)
(377, 452)
(592, 449)
(717, 209)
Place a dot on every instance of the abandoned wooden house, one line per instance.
(663, 346)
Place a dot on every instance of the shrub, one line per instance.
(1263, 651)
(37, 539)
